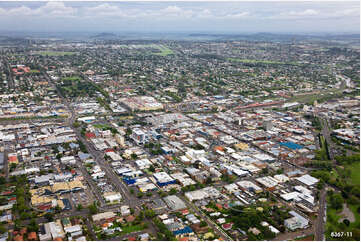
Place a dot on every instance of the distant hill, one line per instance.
(104, 36)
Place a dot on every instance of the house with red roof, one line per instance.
(32, 236)
(90, 135)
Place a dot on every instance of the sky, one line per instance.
(174, 16)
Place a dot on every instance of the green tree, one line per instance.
(203, 224)
(49, 216)
(336, 201)
(172, 191)
(93, 209)
(151, 168)
(149, 213)
(2, 229)
(128, 131)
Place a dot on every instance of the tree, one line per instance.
(134, 156)
(149, 213)
(12, 166)
(93, 208)
(2, 229)
(140, 216)
(79, 207)
(24, 215)
(151, 168)
(280, 171)
(57, 209)
(203, 224)
(346, 222)
(264, 171)
(33, 226)
(128, 131)
(336, 201)
(320, 184)
(172, 191)
(76, 124)
(49, 216)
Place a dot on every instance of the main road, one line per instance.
(98, 156)
(321, 218)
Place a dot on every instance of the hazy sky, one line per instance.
(291, 16)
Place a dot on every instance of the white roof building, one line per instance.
(291, 196)
(112, 197)
(296, 222)
(267, 181)
(231, 188)
(143, 163)
(307, 180)
(174, 203)
(101, 216)
(68, 160)
(249, 186)
(281, 178)
(73, 229)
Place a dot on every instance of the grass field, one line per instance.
(55, 53)
(334, 215)
(322, 95)
(101, 126)
(72, 78)
(132, 228)
(355, 173)
(164, 50)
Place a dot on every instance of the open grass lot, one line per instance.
(132, 228)
(101, 126)
(55, 53)
(333, 215)
(164, 50)
(355, 173)
(333, 225)
(320, 96)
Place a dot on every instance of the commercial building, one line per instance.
(174, 203)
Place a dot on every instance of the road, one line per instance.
(92, 185)
(11, 82)
(327, 135)
(98, 157)
(321, 218)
